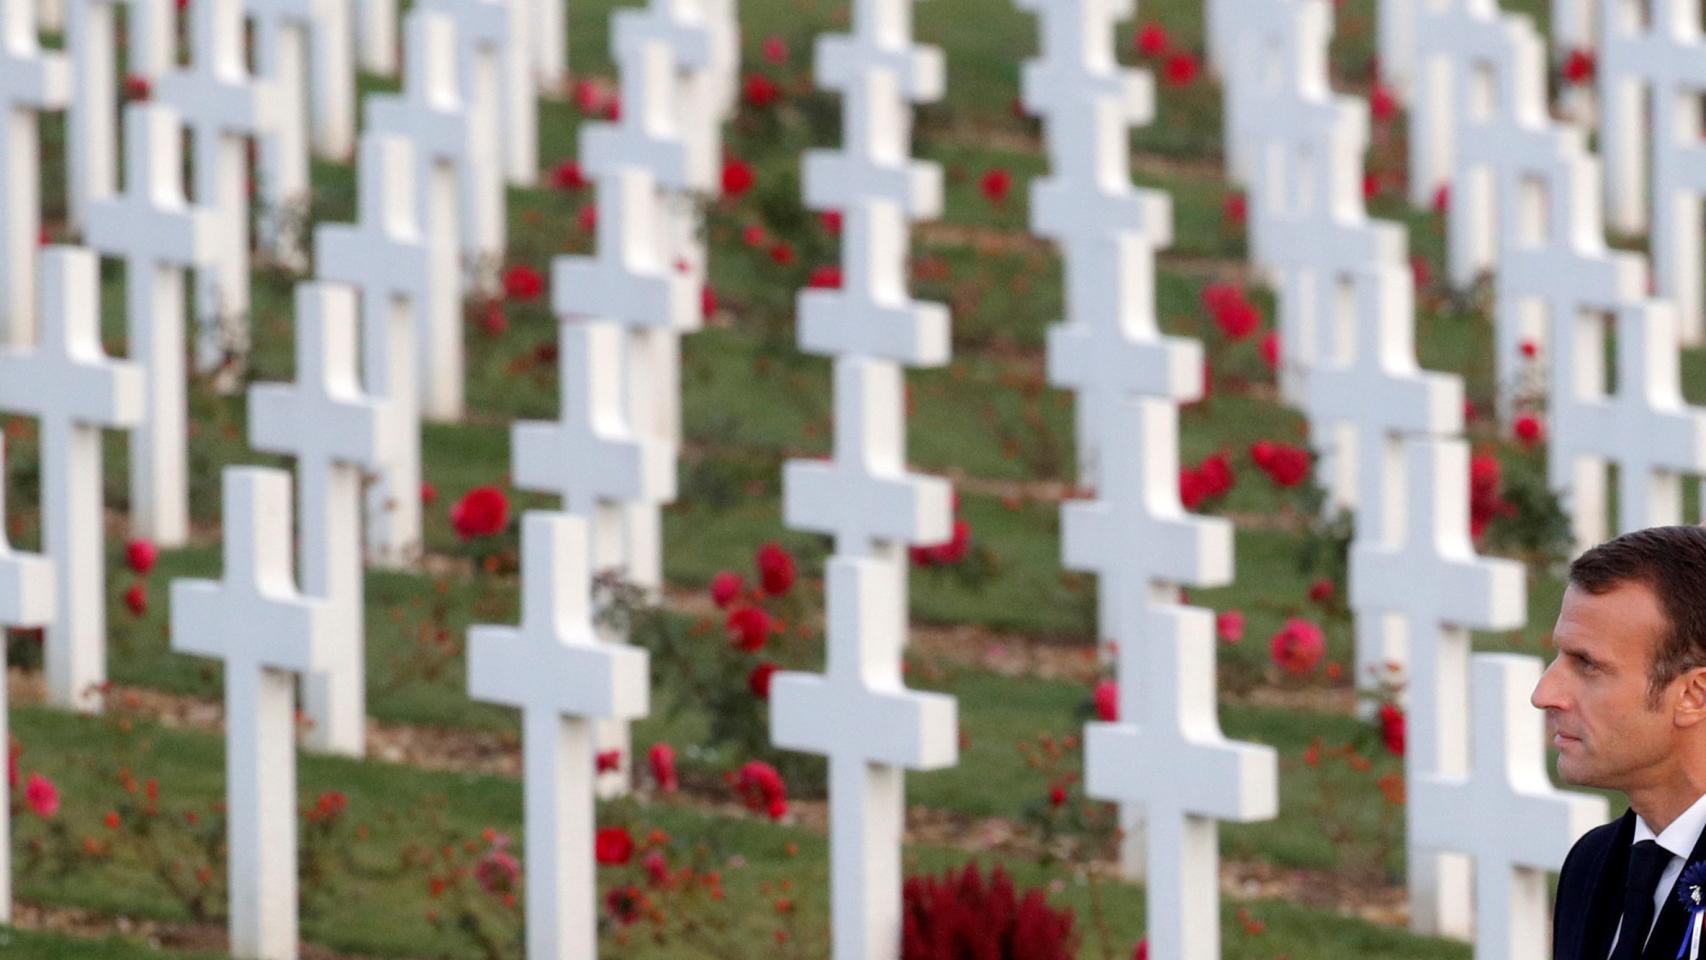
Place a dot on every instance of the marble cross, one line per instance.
(32, 81)
(562, 676)
(336, 433)
(299, 45)
(26, 600)
(376, 36)
(1504, 811)
(265, 632)
(74, 391)
(158, 235)
(91, 116)
(1425, 592)
(384, 258)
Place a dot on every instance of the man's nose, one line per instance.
(1545, 696)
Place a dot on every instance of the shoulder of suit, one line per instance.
(1593, 843)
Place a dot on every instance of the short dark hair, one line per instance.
(1670, 561)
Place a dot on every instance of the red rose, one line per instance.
(995, 185)
(586, 218)
(1107, 700)
(707, 301)
(758, 681)
(42, 796)
(1192, 490)
(1180, 69)
(1421, 272)
(1229, 625)
(1382, 104)
(753, 235)
(725, 586)
(1579, 66)
(493, 321)
(1392, 727)
(782, 253)
(137, 87)
(140, 555)
(775, 50)
(1442, 199)
(761, 788)
(607, 761)
(1321, 591)
(136, 599)
(1236, 209)
(522, 282)
(748, 628)
(1529, 349)
(1056, 795)
(1529, 429)
(737, 178)
(1285, 465)
(1270, 350)
(429, 494)
(589, 96)
(662, 758)
(775, 569)
(613, 846)
(831, 221)
(1217, 476)
(1238, 320)
(1297, 647)
(761, 91)
(481, 512)
(1152, 40)
(568, 176)
(826, 277)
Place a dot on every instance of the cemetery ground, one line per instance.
(419, 829)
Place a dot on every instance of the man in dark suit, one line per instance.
(1625, 700)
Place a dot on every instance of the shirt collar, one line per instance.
(1679, 838)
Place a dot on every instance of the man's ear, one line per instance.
(1691, 705)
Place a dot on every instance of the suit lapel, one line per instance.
(1667, 935)
(1605, 907)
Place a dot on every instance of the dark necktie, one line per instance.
(1647, 860)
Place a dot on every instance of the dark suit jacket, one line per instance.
(1590, 897)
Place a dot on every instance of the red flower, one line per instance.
(1370, 185)
(42, 796)
(1236, 209)
(995, 185)
(1297, 647)
(481, 512)
(737, 178)
(1152, 39)
(1579, 66)
(758, 681)
(1238, 320)
(624, 904)
(1270, 350)
(589, 96)
(725, 586)
(1321, 591)
(613, 846)
(1421, 272)
(775, 569)
(1217, 475)
(827, 277)
(1192, 490)
(831, 220)
(607, 761)
(1218, 296)
(568, 176)
(1106, 697)
(761, 789)
(782, 253)
(1285, 465)
(753, 235)
(775, 50)
(1382, 104)
(429, 494)
(493, 321)
(761, 91)
(498, 871)
(1442, 199)
(1392, 728)
(707, 301)
(1056, 795)
(1142, 951)
(1180, 69)
(137, 87)
(136, 599)
(586, 219)
(1485, 502)
(1229, 625)
(748, 628)
(1529, 429)
(1529, 349)
(522, 282)
(140, 555)
(662, 759)
(327, 807)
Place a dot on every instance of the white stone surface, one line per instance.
(385, 259)
(1652, 76)
(223, 107)
(376, 36)
(1505, 812)
(26, 600)
(337, 434)
(70, 386)
(296, 55)
(460, 208)
(265, 632)
(1423, 594)
(1643, 426)
(561, 675)
(91, 117)
(484, 55)
(32, 80)
(158, 235)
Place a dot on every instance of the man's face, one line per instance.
(1595, 691)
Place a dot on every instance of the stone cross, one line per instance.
(1277, 96)
(264, 631)
(74, 391)
(460, 209)
(561, 675)
(484, 54)
(376, 36)
(860, 715)
(32, 80)
(336, 433)
(26, 600)
(1652, 75)
(1167, 755)
(548, 53)
(1422, 594)
(521, 97)
(159, 236)
(1645, 427)
(223, 107)
(91, 116)
(1504, 811)
(384, 259)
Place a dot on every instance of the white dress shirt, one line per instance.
(1679, 839)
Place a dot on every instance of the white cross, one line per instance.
(384, 258)
(1366, 390)
(859, 715)
(376, 36)
(1651, 81)
(265, 631)
(557, 670)
(335, 432)
(1175, 763)
(26, 599)
(1415, 601)
(32, 80)
(297, 43)
(1646, 428)
(91, 117)
(1277, 95)
(74, 391)
(548, 55)
(1505, 812)
(483, 58)
(222, 106)
(158, 235)
(461, 196)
